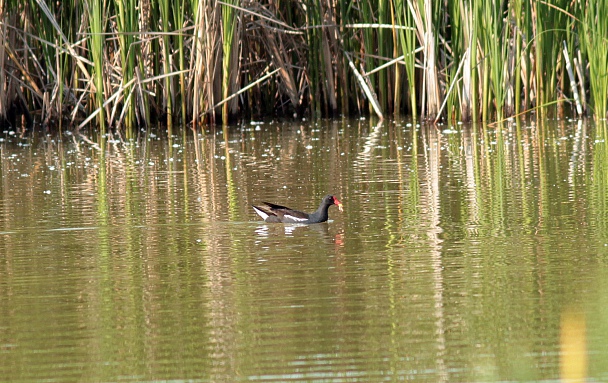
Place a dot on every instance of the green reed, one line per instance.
(129, 63)
(407, 39)
(493, 38)
(385, 49)
(550, 33)
(179, 18)
(126, 27)
(96, 16)
(517, 8)
(167, 54)
(230, 57)
(595, 35)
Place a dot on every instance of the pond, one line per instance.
(464, 253)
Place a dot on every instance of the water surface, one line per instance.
(465, 253)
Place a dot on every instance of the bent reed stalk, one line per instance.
(127, 64)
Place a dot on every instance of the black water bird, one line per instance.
(273, 213)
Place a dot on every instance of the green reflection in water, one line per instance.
(460, 252)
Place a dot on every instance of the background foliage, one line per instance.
(124, 63)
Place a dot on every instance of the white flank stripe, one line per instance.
(295, 218)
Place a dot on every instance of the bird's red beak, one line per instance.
(338, 203)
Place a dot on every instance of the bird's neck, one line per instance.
(321, 212)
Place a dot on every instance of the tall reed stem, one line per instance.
(96, 17)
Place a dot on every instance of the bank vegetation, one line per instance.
(123, 64)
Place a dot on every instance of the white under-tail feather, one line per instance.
(260, 213)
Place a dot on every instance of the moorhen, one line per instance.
(277, 213)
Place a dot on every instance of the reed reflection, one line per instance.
(457, 251)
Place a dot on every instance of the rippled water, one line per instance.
(465, 253)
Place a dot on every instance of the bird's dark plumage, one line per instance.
(271, 212)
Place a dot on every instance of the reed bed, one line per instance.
(123, 64)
